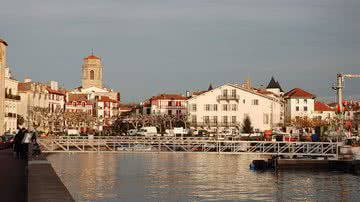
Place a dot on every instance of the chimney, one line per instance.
(54, 85)
(187, 93)
(247, 83)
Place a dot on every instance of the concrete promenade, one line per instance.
(32, 180)
(43, 184)
(12, 177)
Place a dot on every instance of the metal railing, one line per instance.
(12, 97)
(228, 97)
(188, 144)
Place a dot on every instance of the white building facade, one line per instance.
(12, 100)
(323, 111)
(57, 98)
(32, 94)
(298, 104)
(166, 104)
(224, 109)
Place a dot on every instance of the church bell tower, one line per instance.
(92, 72)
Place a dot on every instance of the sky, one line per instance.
(150, 47)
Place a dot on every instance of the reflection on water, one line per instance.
(193, 177)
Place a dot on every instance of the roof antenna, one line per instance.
(92, 51)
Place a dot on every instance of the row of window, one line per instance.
(54, 97)
(79, 110)
(74, 104)
(225, 92)
(174, 103)
(297, 108)
(214, 119)
(226, 119)
(305, 101)
(170, 112)
(225, 107)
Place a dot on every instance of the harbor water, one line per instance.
(193, 177)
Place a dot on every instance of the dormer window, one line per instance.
(74, 104)
(83, 104)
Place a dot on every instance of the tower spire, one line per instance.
(210, 87)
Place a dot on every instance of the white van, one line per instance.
(132, 132)
(147, 131)
(73, 132)
(179, 131)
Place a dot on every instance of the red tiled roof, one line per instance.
(319, 106)
(24, 86)
(58, 92)
(92, 57)
(125, 109)
(198, 92)
(78, 98)
(265, 92)
(106, 99)
(4, 42)
(299, 93)
(168, 97)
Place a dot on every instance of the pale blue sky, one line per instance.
(156, 46)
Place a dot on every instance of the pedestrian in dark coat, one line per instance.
(18, 147)
(25, 145)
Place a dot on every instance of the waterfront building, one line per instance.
(127, 109)
(106, 111)
(105, 101)
(32, 95)
(298, 104)
(57, 97)
(224, 108)
(3, 45)
(12, 100)
(323, 111)
(76, 103)
(165, 104)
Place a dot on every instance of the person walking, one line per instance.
(25, 144)
(18, 148)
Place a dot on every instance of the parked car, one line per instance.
(3, 143)
(9, 138)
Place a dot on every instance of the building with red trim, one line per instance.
(165, 104)
(323, 111)
(57, 97)
(298, 104)
(103, 101)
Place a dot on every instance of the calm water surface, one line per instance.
(194, 177)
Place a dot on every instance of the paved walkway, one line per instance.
(12, 177)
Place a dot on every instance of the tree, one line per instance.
(184, 119)
(79, 119)
(38, 118)
(303, 122)
(246, 126)
(135, 120)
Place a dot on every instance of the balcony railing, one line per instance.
(228, 97)
(11, 115)
(12, 97)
